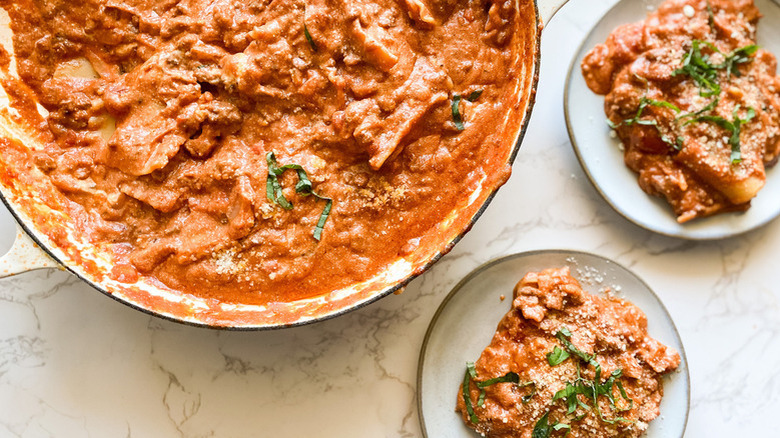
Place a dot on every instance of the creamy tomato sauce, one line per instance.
(554, 320)
(160, 117)
(694, 101)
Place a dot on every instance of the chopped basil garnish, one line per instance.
(471, 374)
(570, 392)
(307, 34)
(704, 72)
(474, 95)
(700, 68)
(527, 398)
(591, 390)
(734, 127)
(605, 389)
(710, 106)
(710, 16)
(323, 217)
(457, 117)
(692, 118)
(542, 428)
(659, 103)
(507, 378)
(624, 395)
(273, 190)
(678, 144)
(564, 336)
(466, 396)
(309, 38)
(742, 55)
(472, 369)
(557, 356)
(644, 102)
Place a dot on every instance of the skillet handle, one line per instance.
(24, 256)
(548, 8)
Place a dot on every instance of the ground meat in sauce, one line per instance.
(160, 115)
(695, 173)
(613, 330)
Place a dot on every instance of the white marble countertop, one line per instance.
(74, 363)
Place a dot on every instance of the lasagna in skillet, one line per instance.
(269, 151)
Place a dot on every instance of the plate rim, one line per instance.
(624, 213)
(505, 258)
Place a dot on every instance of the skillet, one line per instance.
(46, 237)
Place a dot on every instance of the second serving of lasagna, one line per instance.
(564, 362)
(694, 101)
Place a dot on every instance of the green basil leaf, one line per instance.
(308, 37)
(663, 104)
(323, 218)
(739, 56)
(467, 398)
(647, 122)
(471, 368)
(481, 399)
(734, 128)
(692, 116)
(565, 339)
(273, 189)
(625, 396)
(507, 378)
(557, 356)
(474, 95)
(679, 143)
(456, 116)
(575, 392)
(527, 398)
(644, 102)
(304, 187)
(699, 67)
(710, 16)
(542, 429)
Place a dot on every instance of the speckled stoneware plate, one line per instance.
(465, 323)
(602, 159)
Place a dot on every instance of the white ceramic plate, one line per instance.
(602, 159)
(467, 319)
